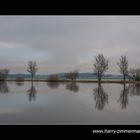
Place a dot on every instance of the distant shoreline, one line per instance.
(81, 81)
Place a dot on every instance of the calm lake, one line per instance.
(69, 103)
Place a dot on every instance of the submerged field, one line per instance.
(69, 103)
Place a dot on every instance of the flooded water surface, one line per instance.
(69, 103)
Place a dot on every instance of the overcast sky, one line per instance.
(65, 43)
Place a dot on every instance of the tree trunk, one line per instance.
(124, 78)
(32, 77)
(99, 78)
(32, 83)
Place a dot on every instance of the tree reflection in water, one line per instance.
(53, 85)
(134, 90)
(19, 83)
(100, 97)
(32, 93)
(124, 97)
(72, 87)
(3, 87)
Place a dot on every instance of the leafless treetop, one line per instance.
(100, 65)
(32, 68)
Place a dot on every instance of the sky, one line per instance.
(66, 43)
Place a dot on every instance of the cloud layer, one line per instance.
(64, 43)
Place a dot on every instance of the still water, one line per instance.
(69, 103)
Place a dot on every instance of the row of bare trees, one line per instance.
(101, 66)
(32, 69)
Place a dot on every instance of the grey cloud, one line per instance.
(70, 42)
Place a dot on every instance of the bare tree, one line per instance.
(134, 74)
(73, 75)
(123, 65)
(100, 66)
(3, 74)
(137, 75)
(32, 68)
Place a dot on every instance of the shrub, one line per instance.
(73, 75)
(19, 79)
(53, 81)
(53, 78)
